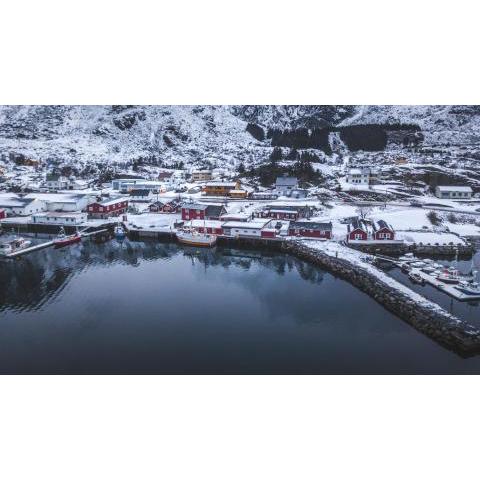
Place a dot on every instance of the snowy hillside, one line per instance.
(197, 134)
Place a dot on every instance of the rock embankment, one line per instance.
(451, 332)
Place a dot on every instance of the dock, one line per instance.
(449, 289)
(41, 246)
(445, 287)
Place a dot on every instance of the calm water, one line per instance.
(156, 308)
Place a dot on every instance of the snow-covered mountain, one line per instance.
(194, 134)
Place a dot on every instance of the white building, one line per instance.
(57, 182)
(15, 205)
(286, 185)
(453, 193)
(358, 176)
(63, 202)
(245, 229)
(60, 218)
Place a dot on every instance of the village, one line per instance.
(202, 208)
(219, 203)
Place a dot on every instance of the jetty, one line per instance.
(42, 246)
(425, 316)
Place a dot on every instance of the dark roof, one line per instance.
(357, 223)
(215, 210)
(140, 192)
(383, 224)
(312, 225)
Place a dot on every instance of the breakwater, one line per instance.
(447, 330)
(401, 249)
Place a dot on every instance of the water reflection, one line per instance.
(159, 308)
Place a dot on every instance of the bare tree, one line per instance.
(363, 211)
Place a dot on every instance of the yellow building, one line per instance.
(221, 189)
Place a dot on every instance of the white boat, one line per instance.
(469, 288)
(196, 239)
(428, 269)
(13, 245)
(416, 278)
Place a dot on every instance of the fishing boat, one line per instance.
(63, 240)
(416, 278)
(120, 233)
(428, 269)
(449, 275)
(13, 245)
(469, 288)
(194, 238)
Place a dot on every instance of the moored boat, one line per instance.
(63, 240)
(469, 288)
(191, 237)
(120, 233)
(416, 278)
(13, 245)
(449, 275)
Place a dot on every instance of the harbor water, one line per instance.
(152, 308)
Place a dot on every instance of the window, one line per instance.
(358, 236)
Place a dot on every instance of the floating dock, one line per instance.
(449, 289)
(445, 287)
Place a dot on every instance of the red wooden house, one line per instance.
(3, 213)
(383, 231)
(357, 230)
(107, 208)
(310, 229)
(195, 211)
(363, 230)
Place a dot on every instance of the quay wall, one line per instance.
(451, 332)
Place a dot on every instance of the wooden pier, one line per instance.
(41, 246)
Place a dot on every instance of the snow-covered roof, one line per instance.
(14, 201)
(246, 225)
(60, 214)
(450, 188)
(286, 181)
(222, 184)
(112, 201)
(58, 197)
